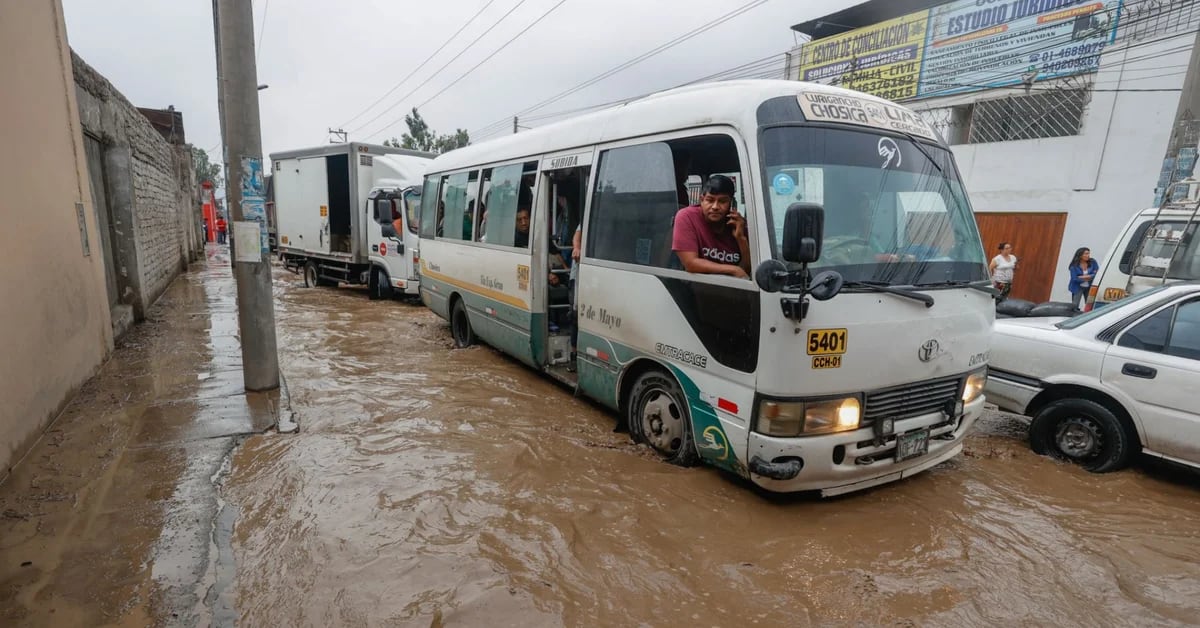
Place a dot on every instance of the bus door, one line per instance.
(561, 199)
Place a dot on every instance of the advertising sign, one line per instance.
(980, 44)
(883, 59)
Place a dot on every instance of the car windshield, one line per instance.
(895, 212)
(1084, 319)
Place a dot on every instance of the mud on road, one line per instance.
(431, 486)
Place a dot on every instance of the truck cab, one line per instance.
(393, 221)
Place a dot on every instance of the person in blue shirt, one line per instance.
(1083, 271)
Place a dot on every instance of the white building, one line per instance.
(1065, 116)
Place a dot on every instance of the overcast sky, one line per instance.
(327, 61)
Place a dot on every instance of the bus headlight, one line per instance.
(797, 418)
(974, 386)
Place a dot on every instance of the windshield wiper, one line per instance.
(983, 285)
(917, 144)
(876, 286)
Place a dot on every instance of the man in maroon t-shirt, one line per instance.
(710, 238)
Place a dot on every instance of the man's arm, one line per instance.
(693, 263)
(577, 243)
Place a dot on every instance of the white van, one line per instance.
(1156, 246)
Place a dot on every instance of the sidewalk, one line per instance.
(111, 518)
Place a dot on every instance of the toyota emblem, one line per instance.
(930, 350)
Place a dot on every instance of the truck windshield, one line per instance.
(895, 213)
(1172, 244)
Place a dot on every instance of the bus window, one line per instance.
(453, 207)
(429, 215)
(503, 186)
(639, 189)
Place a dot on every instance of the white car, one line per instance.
(1105, 385)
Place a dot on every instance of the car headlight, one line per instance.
(796, 418)
(974, 386)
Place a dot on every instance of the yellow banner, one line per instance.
(883, 59)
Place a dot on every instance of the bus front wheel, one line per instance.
(460, 326)
(657, 414)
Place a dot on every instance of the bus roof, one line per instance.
(727, 102)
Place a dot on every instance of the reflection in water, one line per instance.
(432, 486)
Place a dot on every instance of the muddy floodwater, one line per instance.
(431, 486)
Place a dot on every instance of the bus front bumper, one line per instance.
(836, 464)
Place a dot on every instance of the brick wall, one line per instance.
(150, 188)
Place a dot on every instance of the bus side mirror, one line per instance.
(803, 232)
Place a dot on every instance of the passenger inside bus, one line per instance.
(710, 238)
(521, 239)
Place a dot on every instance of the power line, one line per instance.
(262, 30)
(690, 34)
(422, 65)
(503, 122)
(476, 66)
(752, 69)
(439, 70)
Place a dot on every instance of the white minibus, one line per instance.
(853, 355)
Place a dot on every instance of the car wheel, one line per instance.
(657, 414)
(460, 326)
(1083, 432)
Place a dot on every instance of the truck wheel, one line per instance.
(311, 278)
(460, 326)
(1083, 432)
(657, 414)
(379, 286)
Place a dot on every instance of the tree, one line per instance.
(205, 170)
(421, 137)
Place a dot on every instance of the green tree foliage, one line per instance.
(205, 169)
(421, 137)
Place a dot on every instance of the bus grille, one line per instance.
(911, 400)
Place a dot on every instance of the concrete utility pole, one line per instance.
(237, 85)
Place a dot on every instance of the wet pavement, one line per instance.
(437, 487)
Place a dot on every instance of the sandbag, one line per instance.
(1053, 308)
(1014, 307)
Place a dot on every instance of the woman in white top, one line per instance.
(1002, 267)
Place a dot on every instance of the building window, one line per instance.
(1052, 113)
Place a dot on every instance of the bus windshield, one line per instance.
(895, 212)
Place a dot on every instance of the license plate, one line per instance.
(827, 341)
(912, 445)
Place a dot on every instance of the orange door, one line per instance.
(1036, 240)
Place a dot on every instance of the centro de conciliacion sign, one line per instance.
(965, 45)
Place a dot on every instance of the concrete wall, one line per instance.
(150, 187)
(54, 318)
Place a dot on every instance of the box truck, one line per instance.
(349, 213)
